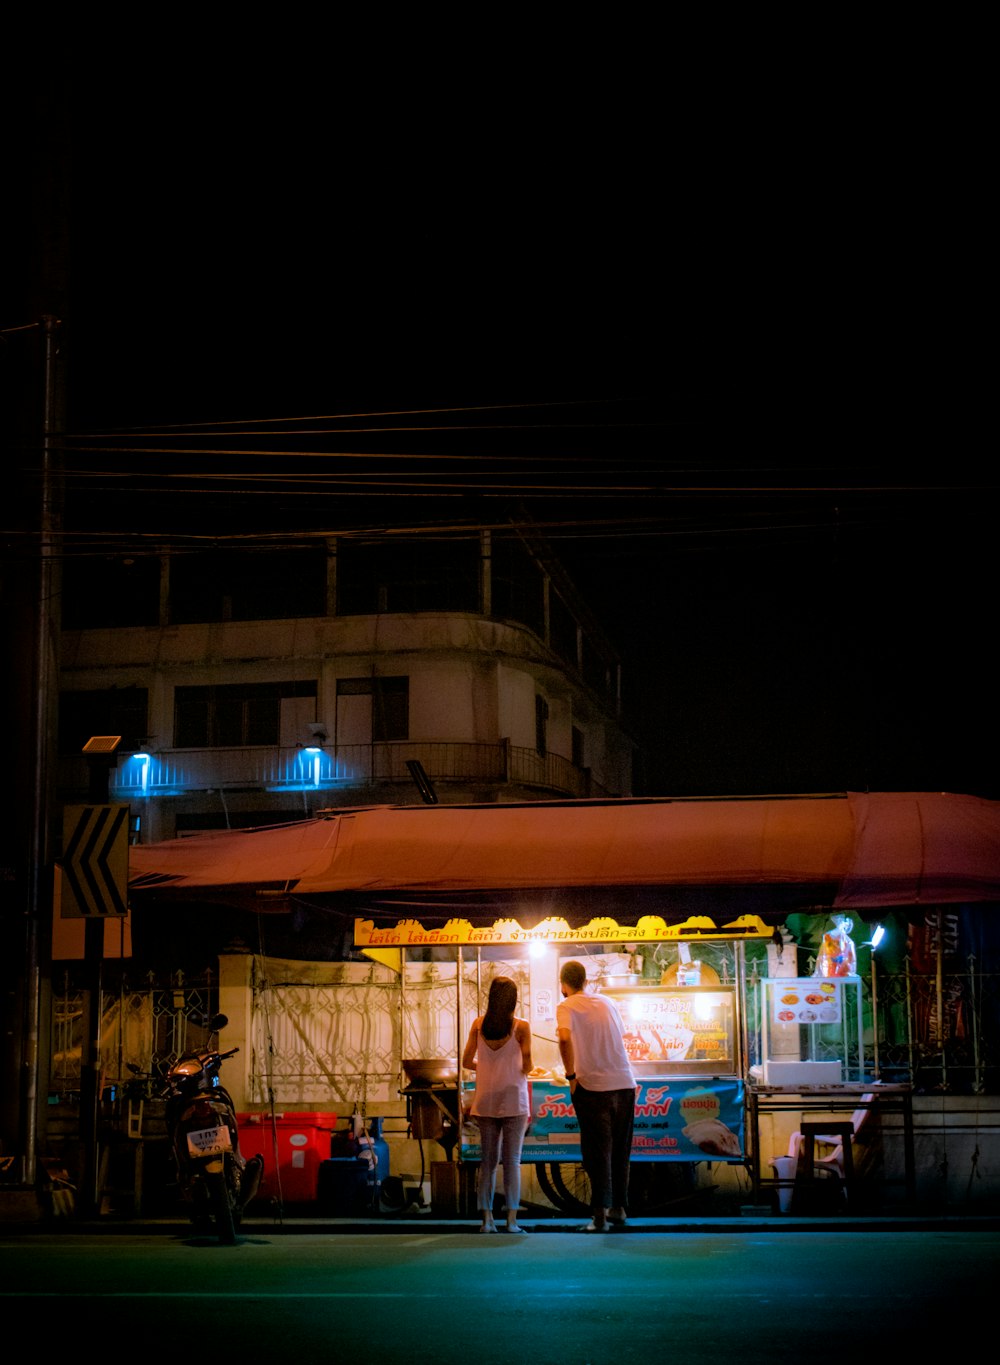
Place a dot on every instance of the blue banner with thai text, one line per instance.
(690, 1118)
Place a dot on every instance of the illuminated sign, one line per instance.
(410, 933)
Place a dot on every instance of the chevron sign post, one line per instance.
(94, 862)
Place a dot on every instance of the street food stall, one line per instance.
(684, 1022)
(607, 881)
(716, 1049)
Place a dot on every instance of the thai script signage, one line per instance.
(460, 933)
(693, 1118)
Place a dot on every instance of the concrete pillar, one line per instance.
(236, 1003)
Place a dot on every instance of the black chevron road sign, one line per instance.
(95, 861)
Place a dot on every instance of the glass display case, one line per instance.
(812, 1030)
(679, 1030)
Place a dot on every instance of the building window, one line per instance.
(576, 740)
(389, 700)
(111, 711)
(518, 592)
(233, 716)
(562, 631)
(408, 576)
(119, 590)
(247, 585)
(541, 717)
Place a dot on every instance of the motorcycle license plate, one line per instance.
(209, 1141)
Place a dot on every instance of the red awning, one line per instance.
(870, 850)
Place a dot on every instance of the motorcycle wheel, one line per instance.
(196, 1201)
(222, 1207)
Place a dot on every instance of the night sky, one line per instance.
(746, 429)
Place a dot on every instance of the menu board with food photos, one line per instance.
(806, 1000)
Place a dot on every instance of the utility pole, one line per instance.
(33, 374)
(31, 696)
(89, 1193)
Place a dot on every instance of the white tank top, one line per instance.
(501, 1085)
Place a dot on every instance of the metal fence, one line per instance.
(938, 1030)
(344, 1040)
(147, 1022)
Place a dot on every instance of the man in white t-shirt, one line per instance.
(602, 1088)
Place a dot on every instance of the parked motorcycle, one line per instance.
(213, 1176)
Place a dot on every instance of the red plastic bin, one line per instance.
(303, 1142)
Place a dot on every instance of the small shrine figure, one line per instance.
(836, 954)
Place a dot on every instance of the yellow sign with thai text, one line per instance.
(410, 933)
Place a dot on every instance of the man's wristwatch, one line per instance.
(571, 1075)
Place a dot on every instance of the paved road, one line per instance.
(450, 1297)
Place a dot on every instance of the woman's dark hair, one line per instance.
(499, 1017)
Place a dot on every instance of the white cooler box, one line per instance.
(803, 1073)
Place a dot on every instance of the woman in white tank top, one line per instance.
(499, 1051)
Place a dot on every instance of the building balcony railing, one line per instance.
(176, 772)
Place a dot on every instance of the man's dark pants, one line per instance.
(606, 1118)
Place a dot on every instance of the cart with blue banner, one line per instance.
(682, 1017)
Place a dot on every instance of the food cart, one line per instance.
(685, 1024)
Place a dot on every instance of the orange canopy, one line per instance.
(855, 850)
